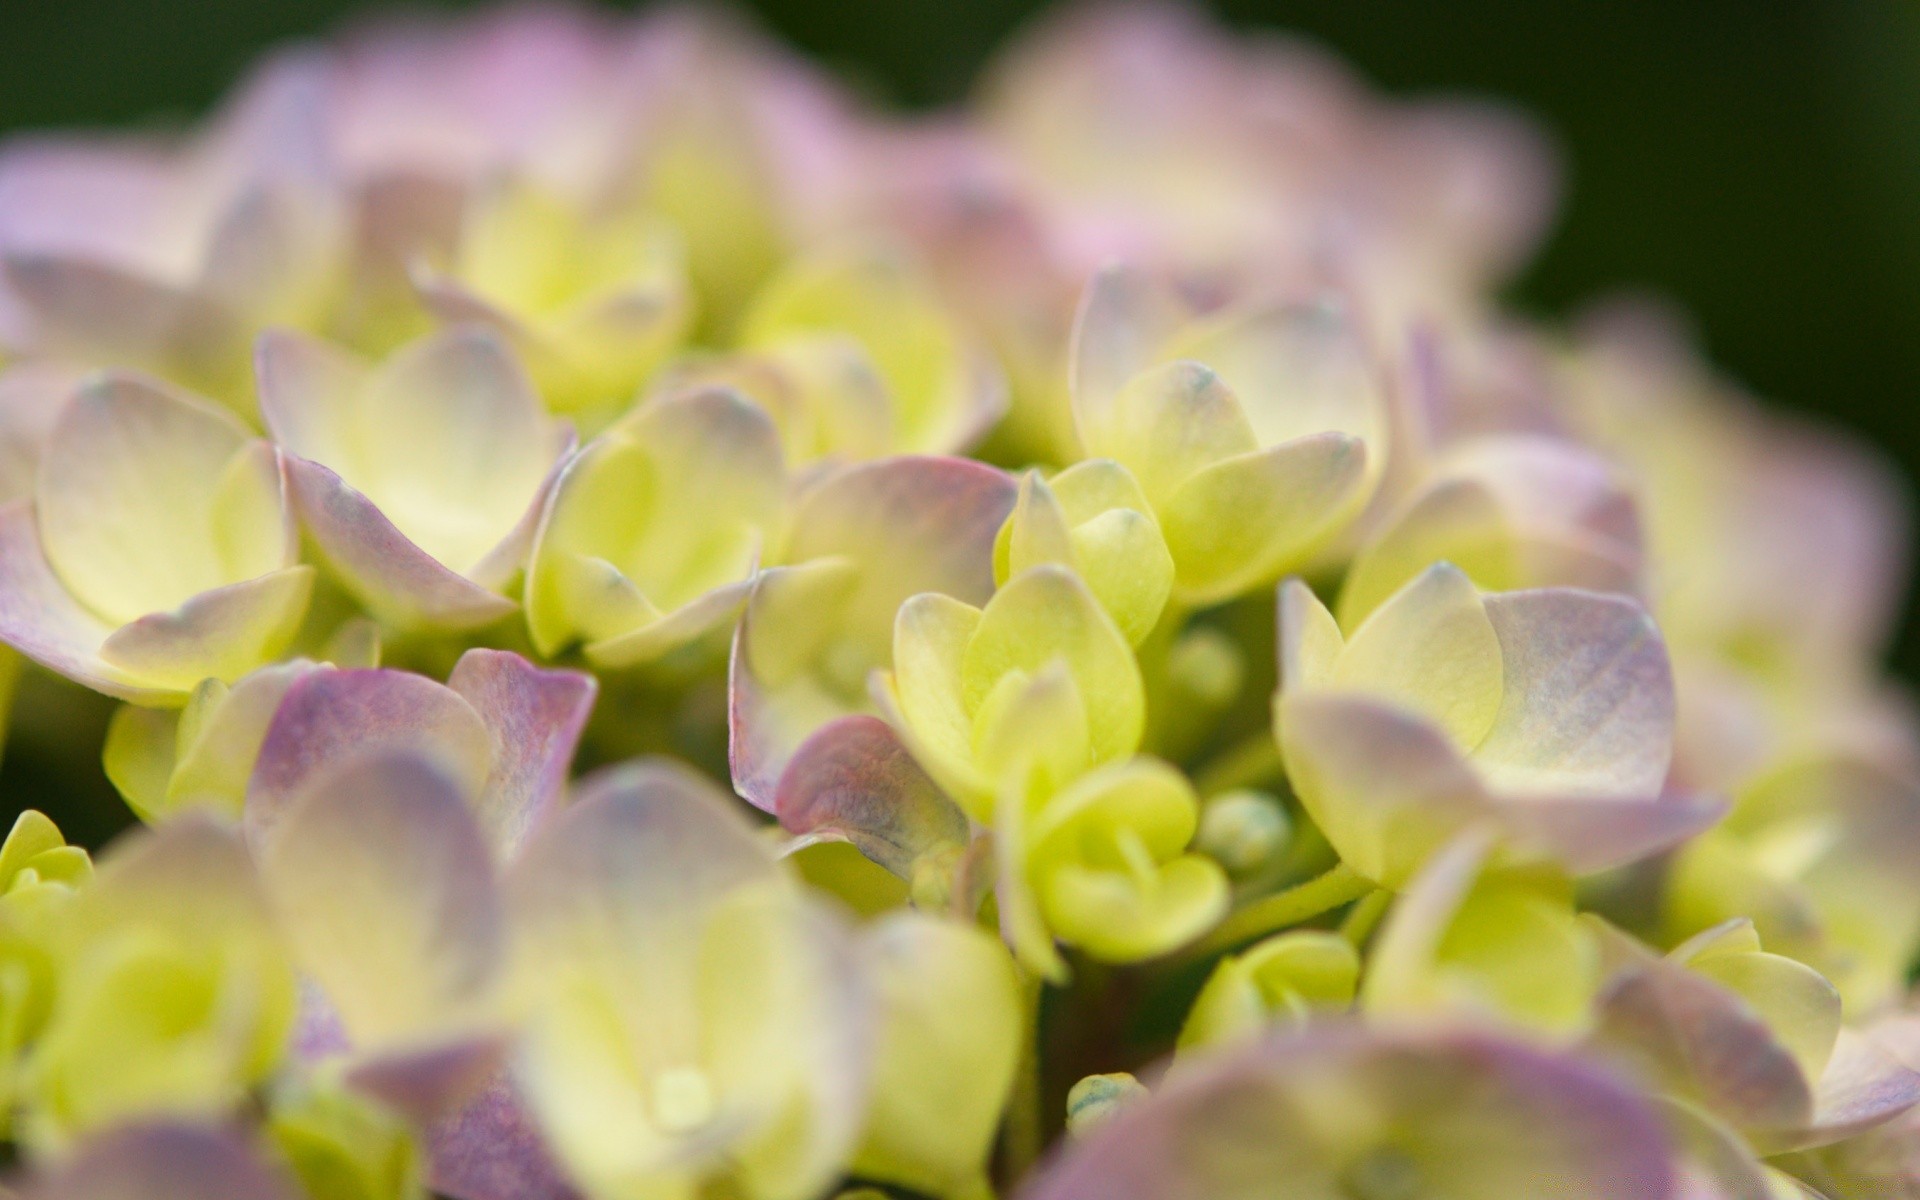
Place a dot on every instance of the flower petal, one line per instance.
(1047, 614)
(534, 719)
(1467, 1115)
(222, 634)
(492, 1149)
(1597, 833)
(384, 888)
(397, 580)
(1122, 328)
(42, 620)
(1696, 1039)
(1300, 370)
(130, 487)
(32, 394)
(1385, 787)
(852, 779)
(867, 537)
(1431, 650)
(619, 546)
(1588, 707)
(1245, 521)
(331, 716)
(164, 1162)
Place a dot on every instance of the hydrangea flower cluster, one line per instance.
(681, 638)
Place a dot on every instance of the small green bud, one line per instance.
(1243, 830)
(1099, 1098)
(1206, 665)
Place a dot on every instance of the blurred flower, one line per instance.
(158, 549)
(420, 480)
(1549, 712)
(1256, 432)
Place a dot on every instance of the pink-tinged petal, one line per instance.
(493, 1150)
(1589, 707)
(454, 443)
(534, 719)
(866, 538)
(1550, 484)
(384, 888)
(1481, 181)
(332, 716)
(222, 634)
(1386, 787)
(928, 524)
(1123, 325)
(429, 1082)
(1597, 833)
(1299, 366)
(1863, 1086)
(1461, 1114)
(302, 382)
(853, 781)
(31, 397)
(98, 313)
(392, 576)
(772, 707)
(164, 1162)
(1694, 1038)
(42, 621)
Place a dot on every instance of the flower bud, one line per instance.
(1244, 830)
(1099, 1098)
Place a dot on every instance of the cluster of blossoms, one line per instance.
(1100, 663)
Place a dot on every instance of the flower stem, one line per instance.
(1020, 1135)
(1360, 920)
(1282, 910)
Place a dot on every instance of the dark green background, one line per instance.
(1760, 162)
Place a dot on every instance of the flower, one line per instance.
(421, 479)
(1549, 712)
(158, 549)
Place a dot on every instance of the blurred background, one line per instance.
(1756, 160)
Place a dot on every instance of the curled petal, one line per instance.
(863, 541)
(1430, 650)
(42, 620)
(534, 719)
(1121, 328)
(391, 575)
(1597, 833)
(1863, 1086)
(220, 634)
(853, 780)
(1696, 1040)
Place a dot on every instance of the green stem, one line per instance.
(1020, 1135)
(1282, 910)
(1360, 920)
